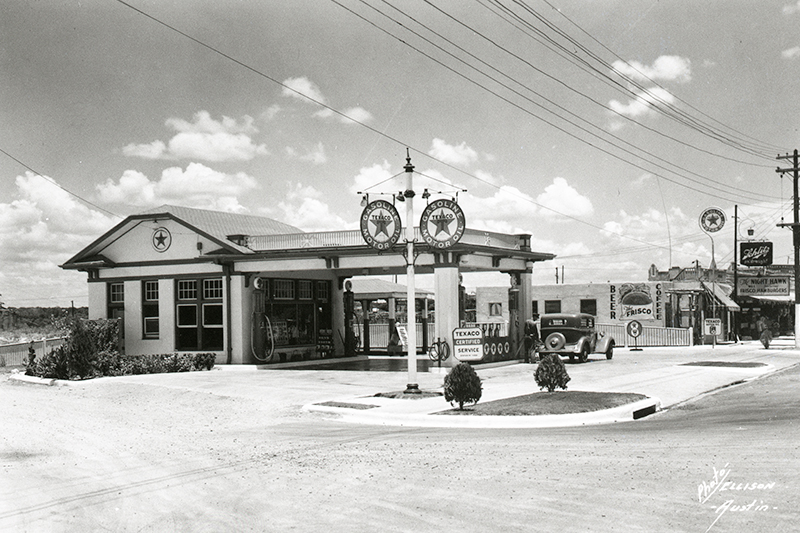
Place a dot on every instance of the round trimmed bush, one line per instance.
(551, 373)
(462, 385)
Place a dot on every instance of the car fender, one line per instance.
(603, 343)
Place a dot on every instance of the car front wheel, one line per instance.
(584, 355)
(610, 351)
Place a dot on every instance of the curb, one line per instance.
(623, 413)
(33, 379)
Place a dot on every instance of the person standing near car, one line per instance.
(531, 340)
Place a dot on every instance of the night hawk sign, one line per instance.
(755, 253)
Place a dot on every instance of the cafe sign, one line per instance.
(755, 253)
(764, 286)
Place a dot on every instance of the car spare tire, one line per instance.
(555, 342)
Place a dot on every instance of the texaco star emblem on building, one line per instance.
(162, 239)
(380, 225)
(442, 224)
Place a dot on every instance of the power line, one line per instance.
(54, 182)
(374, 130)
(721, 194)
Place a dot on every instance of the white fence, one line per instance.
(379, 335)
(17, 354)
(651, 335)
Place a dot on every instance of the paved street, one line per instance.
(235, 449)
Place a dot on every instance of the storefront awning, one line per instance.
(785, 299)
(718, 292)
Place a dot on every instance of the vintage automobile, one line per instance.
(573, 335)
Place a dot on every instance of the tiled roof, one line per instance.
(221, 224)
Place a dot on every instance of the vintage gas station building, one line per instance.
(254, 290)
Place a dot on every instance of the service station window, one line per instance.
(150, 326)
(199, 315)
(496, 309)
(115, 304)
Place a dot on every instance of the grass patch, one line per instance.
(401, 395)
(549, 403)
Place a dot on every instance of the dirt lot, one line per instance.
(123, 456)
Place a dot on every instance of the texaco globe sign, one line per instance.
(712, 219)
(442, 223)
(380, 225)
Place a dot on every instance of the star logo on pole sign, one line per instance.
(162, 239)
(381, 220)
(442, 222)
(380, 225)
(436, 224)
(712, 220)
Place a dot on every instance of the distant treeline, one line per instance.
(37, 317)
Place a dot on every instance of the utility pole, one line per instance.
(795, 225)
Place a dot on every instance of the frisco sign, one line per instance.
(755, 253)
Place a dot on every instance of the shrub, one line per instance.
(462, 385)
(551, 373)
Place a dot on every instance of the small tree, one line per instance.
(551, 373)
(462, 385)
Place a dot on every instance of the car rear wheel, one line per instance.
(610, 351)
(584, 355)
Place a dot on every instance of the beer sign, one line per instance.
(755, 253)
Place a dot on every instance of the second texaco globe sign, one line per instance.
(712, 219)
(380, 225)
(442, 224)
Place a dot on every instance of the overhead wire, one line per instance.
(720, 193)
(383, 134)
(54, 182)
(758, 142)
(669, 109)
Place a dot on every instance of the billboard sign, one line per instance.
(766, 286)
(755, 253)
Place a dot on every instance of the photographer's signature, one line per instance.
(720, 486)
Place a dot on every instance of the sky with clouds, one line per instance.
(603, 128)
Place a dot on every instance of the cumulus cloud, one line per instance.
(642, 104)
(664, 68)
(460, 155)
(791, 53)
(40, 229)
(302, 88)
(304, 207)
(198, 186)
(315, 155)
(561, 198)
(205, 139)
(791, 8)
(306, 90)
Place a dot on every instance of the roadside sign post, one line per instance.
(712, 326)
(468, 344)
(634, 329)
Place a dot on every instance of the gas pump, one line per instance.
(349, 318)
(515, 331)
(262, 337)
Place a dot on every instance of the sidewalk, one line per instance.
(667, 376)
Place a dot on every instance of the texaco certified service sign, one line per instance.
(442, 223)
(380, 225)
